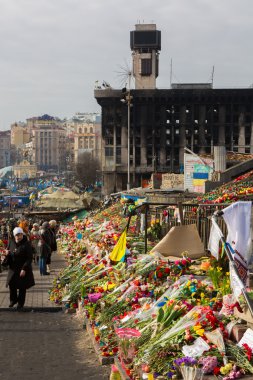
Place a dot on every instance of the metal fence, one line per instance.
(169, 215)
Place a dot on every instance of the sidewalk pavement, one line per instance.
(44, 343)
(37, 296)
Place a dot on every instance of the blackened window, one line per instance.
(108, 152)
(146, 67)
(118, 155)
(109, 141)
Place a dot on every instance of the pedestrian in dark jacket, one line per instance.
(53, 231)
(18, 258)
(44, 248)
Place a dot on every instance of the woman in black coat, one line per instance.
(44, 248)
(18, 258)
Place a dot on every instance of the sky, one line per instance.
(53, 51)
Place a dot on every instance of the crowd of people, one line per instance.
(26, 244)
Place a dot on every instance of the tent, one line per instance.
(6, 172)
(181, 239)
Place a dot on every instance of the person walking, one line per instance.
(53, 232)
(24, 224)
(34, 239)
(18, 258)
(44, 248)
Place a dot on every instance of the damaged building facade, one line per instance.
(148, 132)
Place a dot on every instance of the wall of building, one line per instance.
(87, 138)
(163, 122)
(49, 146)
(25, 170)
(5, 147)
(19, 135)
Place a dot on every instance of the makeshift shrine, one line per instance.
(158, 317)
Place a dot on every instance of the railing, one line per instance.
(191, 213)
(203, 216)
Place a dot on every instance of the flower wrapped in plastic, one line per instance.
(209, 363)
(188, 368)
(127, 337)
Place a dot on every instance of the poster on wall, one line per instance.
(197, 170)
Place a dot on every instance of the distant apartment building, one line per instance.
(49, 143)
(19, 134)
(5, 148)
(83, 135)
(70, 150)
(87, 139)
(87, 117)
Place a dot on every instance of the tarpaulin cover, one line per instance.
(181, 239)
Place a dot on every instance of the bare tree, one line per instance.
(87, 168)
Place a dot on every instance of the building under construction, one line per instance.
(146, 130)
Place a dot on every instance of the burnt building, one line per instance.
(148, 131)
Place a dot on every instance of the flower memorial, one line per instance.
(162, 318)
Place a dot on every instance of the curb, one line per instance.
(33, 309)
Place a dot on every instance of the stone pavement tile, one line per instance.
(37, 296)
(53, 346)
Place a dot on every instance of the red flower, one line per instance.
(216, 371)
(248, 351)
(237, 305)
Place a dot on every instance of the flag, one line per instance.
(119, 251)
(214, 240)
(238, 217)
(32, 196)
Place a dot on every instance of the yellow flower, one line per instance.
(111, 286)
(194, 314)
(198, 330)
(227, 368)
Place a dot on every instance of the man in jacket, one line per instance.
(18, 258)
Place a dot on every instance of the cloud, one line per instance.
(53, 51)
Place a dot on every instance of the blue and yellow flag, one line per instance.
(32, 196)
(119, 251)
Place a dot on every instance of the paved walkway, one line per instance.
(37, 296)
(44, 343)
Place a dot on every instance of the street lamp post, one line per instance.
(67, 161)
(127, 100)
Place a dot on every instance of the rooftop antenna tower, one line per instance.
(170, 72)
(212, 76)
(145, 43)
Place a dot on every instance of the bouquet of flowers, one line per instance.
(127, 338)
(188, 368)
